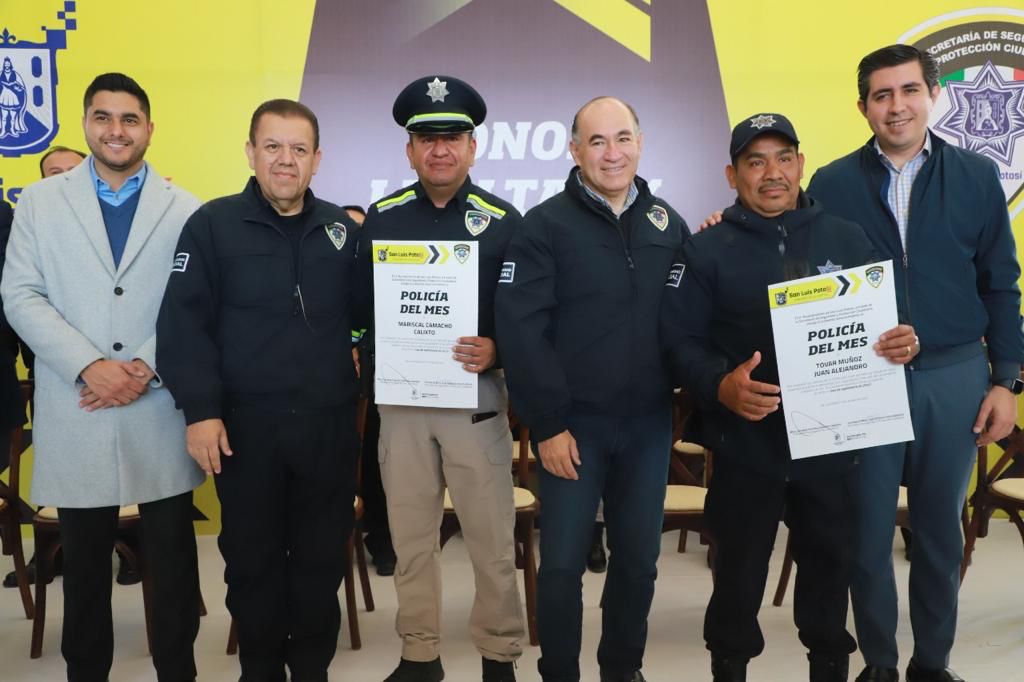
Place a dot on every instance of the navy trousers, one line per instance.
(944, 403)
(625, 463)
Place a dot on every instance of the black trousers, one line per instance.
(742, 515)
(169, 554)
(375, 508)
(286, 498)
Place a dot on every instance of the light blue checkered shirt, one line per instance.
(631, 196)
(901, 181)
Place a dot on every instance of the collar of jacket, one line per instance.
(807, 209)
(877, 171)
(259, 210)
(460, 195)
(575, 189)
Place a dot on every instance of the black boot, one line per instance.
(875, 674)
(635, 676)
(416, 671)
(825, 668)
(498, 671)
(728, 669)
(597, 560)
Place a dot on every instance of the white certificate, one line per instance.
(425, 297)
(837, 394)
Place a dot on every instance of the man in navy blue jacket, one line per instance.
(939, 211)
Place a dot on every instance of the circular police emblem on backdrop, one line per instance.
(981, 103)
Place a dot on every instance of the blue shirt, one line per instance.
(130, 186)
(901, 182)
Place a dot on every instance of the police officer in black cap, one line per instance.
(716, 326)
(424, 449)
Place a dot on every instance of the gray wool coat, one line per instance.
(59, 295)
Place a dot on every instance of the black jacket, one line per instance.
(715, 314)
(577, 308)
(239, 324)
(472, 215)
(12, 408)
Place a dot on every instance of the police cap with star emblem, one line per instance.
(759, 124)
(439, 104)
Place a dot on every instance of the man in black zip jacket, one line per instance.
(940, 210)
(716, 326)
(577, 311)
(254, 344)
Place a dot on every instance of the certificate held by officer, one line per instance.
(425, 298)
(837, 394)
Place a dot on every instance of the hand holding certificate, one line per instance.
(837, 393)
(425, 301)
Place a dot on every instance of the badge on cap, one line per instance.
(437, 90)
(658, 216)
(477, 222)
(762, 121)
(337, 233)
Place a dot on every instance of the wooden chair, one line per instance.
(685, 496)
(10, 512)
(527, 507)
(902, 522)
(46, 528)
(995, 491)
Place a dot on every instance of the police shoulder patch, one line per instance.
(477, 222)
(337, 233)
(658, 217)
(180, 262)
(675, 275)
(508, 273)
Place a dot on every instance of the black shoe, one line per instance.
(873, 674)
(825, 668)
(11, 579)
(635, 676)
(597, 560)
(126, 573)
(728, 669)
(916, 673)
(385, 564)
(498, 671)
(416, 671)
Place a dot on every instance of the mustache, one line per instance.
(773, 185)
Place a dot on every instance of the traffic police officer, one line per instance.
(577, 311)
(254, 344)
(423, 449)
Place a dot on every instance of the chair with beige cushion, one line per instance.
(995, 491)
(685, 494)
(46, 528)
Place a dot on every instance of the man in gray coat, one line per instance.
(88, 259)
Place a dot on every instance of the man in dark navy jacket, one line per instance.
(577, 309)
(940, 212)
(716, 325)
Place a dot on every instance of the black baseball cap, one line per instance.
(759, 124)
(439, 104)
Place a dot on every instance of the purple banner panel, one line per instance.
(535, 63)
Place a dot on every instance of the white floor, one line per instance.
(990, 646)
